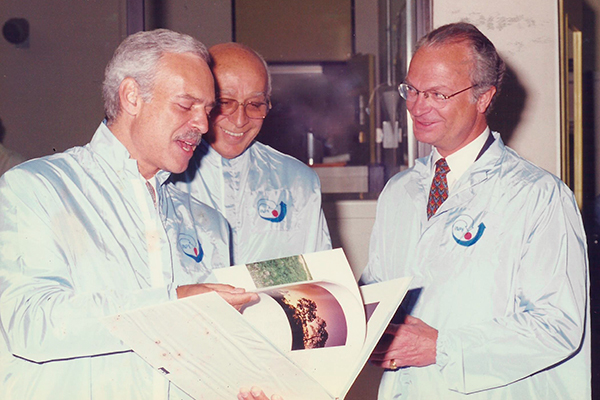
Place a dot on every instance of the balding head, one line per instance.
(235, 56)
(243, 91)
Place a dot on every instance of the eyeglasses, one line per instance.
(437, 99)
(253, 109)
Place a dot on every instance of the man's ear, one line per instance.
(483, 102)
(129, 96)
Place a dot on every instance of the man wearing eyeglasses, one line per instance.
(499, 305)
(271, 201)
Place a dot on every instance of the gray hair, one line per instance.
(137, 57)
(488, 69)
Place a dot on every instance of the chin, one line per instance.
(231, 154)
(425, 138)
(177, 169)
(226, 150)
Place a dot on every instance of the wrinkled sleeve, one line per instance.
(43, 315)
(546, 325)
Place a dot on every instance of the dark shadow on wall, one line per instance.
(590, 104)
(507, 110)
(155, 14)
(2, 131)
(591, 205)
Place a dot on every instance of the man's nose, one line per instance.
(199, 120)
(420, 106)
(239, 117)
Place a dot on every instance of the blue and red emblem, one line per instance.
(271, 211)
(465, 233)
(191, 247)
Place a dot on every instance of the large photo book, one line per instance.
(307, 337)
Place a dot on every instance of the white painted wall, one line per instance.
(350, 223)
(526, 35)
(50, 92)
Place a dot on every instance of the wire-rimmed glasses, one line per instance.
(436, 99)
(253, 109)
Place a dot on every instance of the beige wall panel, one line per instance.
(526, 35)
(308, 30)
(207, 20)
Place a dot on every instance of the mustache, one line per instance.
(192, 136)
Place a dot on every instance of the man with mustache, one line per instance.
(499, 307)
(271, 201)
(95, 231)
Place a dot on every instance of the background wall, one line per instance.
(207, 20)
(50, 90)
(525, 33)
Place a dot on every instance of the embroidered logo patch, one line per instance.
(465, 233)
(191, 247)
(271, 211)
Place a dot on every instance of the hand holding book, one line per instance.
(255, 394)
(307, 337)
(236, 297)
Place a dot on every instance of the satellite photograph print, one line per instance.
(279, 271)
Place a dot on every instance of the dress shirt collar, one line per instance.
(462, 159)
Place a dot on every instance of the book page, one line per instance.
(381, 300)
(204, 346)
(328, 271)
(305, 340)
(330, 266)
(337, 370)
(307, 316)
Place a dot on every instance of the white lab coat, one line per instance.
(500, 270)
(271, 201)
(80, 240)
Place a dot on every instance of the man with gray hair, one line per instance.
(95, 231)
(499, 306)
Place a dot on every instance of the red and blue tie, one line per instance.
(439, 187)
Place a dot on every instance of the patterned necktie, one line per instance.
(439, 187)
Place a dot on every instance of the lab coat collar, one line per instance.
(211, 156)
(418, 187)
(105, 144)
(207, 154)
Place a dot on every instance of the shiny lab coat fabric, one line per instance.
(500, 270)
(80, 240)
(271, 201)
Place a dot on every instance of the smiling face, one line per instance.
(166, 130)
(240, 76)
(446, 69)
